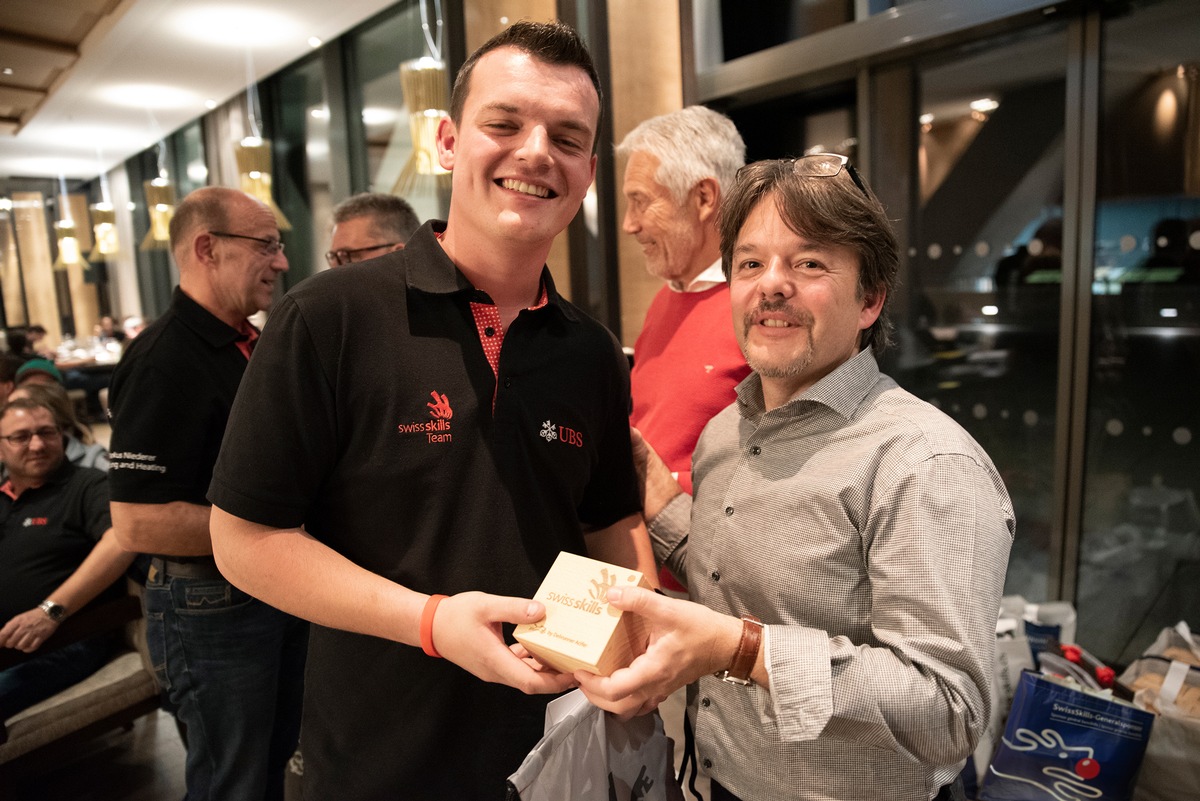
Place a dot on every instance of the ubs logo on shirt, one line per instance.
(36, 521)
(567, 436)
(436, 429)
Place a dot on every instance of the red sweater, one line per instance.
(686, 363)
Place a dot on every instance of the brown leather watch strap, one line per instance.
(747, 652)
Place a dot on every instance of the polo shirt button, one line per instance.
(705, 702)
(707, 764)
(754, 451)
(729, 511)
(507, 383)
(716, 575)
(489, 332)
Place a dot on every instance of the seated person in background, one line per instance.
(107, 329)
(39, 371)
(44, 371)
(57, 554)
(9, 364)
(17, 339)
(82, 450)
(132, 326)
(35, 335)
(369, 225)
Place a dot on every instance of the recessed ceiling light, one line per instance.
(314, 42)
(234, 26)
(926, 119)
(149, 95)
(984, 104)
(7, 71)
(210, 104)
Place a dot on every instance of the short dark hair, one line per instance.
(551, 42)
(29, 405)
(829, 210)
(55, 398)
(391, 216)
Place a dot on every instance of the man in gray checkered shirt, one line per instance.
(847, 541)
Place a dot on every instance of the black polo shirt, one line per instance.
(170, 398)
(367, 416)
(47, 532)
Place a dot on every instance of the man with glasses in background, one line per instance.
(230, 666)
(846, 546)
(368, 225)
(57, 554)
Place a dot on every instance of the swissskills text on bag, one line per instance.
(1062, 744)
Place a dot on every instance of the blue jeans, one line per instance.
(43, 675)
(232, 669)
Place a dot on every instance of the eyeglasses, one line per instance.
(828, 165)
(23, 438)
(269, 246)
(336, 258)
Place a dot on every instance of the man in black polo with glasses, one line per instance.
(369, 225)
(846, 546)
(57, 554)
(230, 665)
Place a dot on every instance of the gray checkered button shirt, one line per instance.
(871, 535)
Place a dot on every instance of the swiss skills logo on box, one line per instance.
(1062, 744)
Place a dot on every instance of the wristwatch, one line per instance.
(742, 665)
(55, 612)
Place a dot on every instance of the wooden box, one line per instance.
(580, 630)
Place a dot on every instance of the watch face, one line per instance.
(55, 612)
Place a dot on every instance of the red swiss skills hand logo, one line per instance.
(440, 408)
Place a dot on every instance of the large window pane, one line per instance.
(978, 333)
(390, 119)
(301, 144)
(1141, 537)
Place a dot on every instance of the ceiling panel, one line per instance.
(111, 66)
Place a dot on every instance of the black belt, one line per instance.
(198, 569)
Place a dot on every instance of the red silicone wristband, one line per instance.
(427, 625)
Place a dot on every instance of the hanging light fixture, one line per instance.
(104, 232)
(104, 225)
(69, 252)
(423, 82)
(253, 156)
(160, 204)
(253, 153)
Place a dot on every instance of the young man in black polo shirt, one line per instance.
(57, 554)
(438, 420)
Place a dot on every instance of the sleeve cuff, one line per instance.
(670, 526)
(801, 697)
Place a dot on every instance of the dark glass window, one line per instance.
(979, 336)
(1141, 527)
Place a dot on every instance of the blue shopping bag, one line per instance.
(1062, 744)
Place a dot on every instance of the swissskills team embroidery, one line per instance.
(437, 428)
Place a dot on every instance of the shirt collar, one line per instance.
(712, 276)
(841, 391)
(207, 325)
(429, 269)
